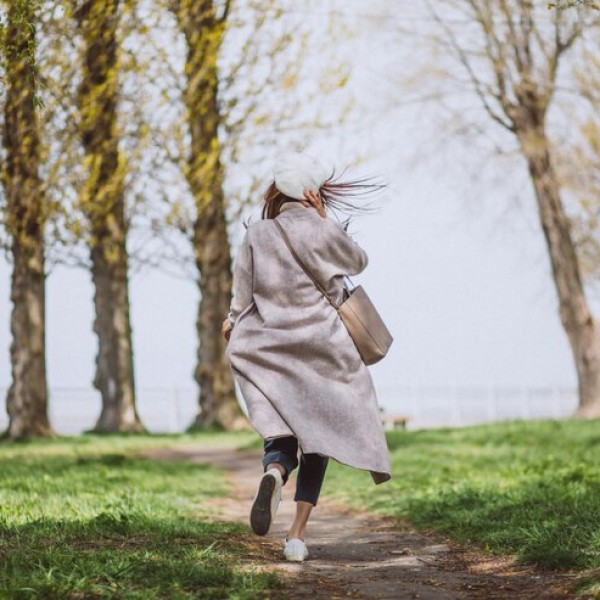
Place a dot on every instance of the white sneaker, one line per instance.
(266, 502)
(295, 549)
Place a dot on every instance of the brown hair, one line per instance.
(273, 199)
(336, 195)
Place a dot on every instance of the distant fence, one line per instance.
(74, 410)
(430, 406)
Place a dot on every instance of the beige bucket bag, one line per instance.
(366, 328)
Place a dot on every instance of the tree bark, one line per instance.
(27, 400)
(579, 324)
(203, 32)
(523, 44)
(218, 403)
(114, 363)
(103, 204)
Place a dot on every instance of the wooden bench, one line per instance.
(391, 422)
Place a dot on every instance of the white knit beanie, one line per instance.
(297, 172)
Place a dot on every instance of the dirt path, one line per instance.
(355, 555)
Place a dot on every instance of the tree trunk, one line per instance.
(114, 363)
(218, 403)
(27, 401)
(579, 324)
(28, 395)
(203, 33)
(103, 204)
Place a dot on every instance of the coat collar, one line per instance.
(291, 205)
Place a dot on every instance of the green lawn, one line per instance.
(86, 518)
(529, 488)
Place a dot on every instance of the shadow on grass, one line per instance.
(129, 555)
(81, 523)
(551, 523)
(526, 488)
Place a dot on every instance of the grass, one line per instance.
(87, 518)
(525, 488)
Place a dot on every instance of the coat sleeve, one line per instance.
(345, 252)
(242, 282)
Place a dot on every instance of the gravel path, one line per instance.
(357, 555)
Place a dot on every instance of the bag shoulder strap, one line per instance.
(321, 289)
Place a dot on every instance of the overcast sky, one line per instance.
(457, 266)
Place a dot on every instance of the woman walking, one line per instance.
(302, 379)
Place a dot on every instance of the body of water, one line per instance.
(74, 410)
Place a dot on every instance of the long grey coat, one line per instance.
(297, 367)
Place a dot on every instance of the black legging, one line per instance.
(284, 450)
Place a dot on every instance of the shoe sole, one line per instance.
(260, 515)
(295, 558)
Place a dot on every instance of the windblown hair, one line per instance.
(338, 196)
(273, 200)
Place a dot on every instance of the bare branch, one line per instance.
(482, 90)
(226, 8)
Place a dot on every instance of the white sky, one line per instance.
(468, 302)
(467, 293)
